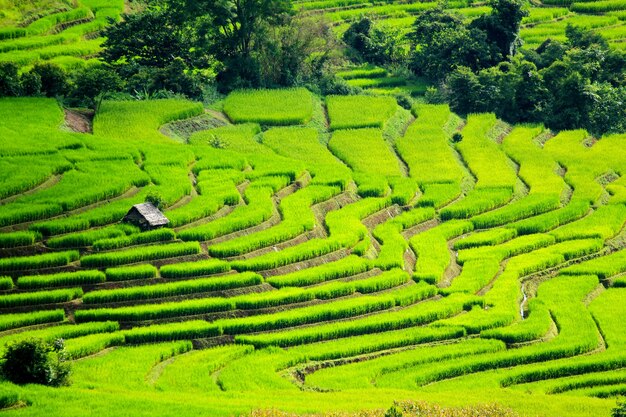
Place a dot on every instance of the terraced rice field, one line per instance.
(327, 259)
(67, 35)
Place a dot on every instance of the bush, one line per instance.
(619, 410)
(36, 361)
(54, 80)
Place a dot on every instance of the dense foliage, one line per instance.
(579, 84)
(36, 361)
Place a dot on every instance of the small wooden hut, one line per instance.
(146, 216)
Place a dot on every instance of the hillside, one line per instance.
(323, 254)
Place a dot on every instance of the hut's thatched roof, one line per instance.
(153, 215)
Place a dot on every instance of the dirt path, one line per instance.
(79, 121)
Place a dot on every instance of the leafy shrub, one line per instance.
(36, 361)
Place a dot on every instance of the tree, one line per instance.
(54, 79)
(502, 25)
(442, 42)
(231, 28)
(619, 410)
(9, 79)
(148, 39)
(374, 44)
(92, 83)
(36, 361)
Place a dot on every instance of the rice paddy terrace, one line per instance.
(333, 254)
(68, 33)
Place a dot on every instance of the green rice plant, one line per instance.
(584, 364)
(478, 201)
(483, 156)
(88, 345)
(297, 218)
(403, 189)
(47, 23)
(23, 173)
(578, 334)
(384, 281)
(393, 243)
(604, 223)
(363, 71)
(103, 371)
(213, 197)
(357, 327)
(324, 312)
(607, 310)
(619, 282)
(195, 329)
(604, 266)
(438, 195)
(371, 342)
(40, 297)
(159, 235)
(82, 239)
(193, 372)
(270, 107)
(243, 139)
(172, 182)
(431, 248)
(63, 331)
(476, 274)
(90, 182)
(345, 267)
(598, 6)
(377, 82)
(371, 185)
(345, 229)
(19, 213)
(62, 279)
(425, 147)
(112, 212)
(536, 168)
(141, 120)
(529, 206)
(486, 238)
(258, 209)
(332, 290)
(124, 273)
(534, 327)
(308, 250)
(171, 289)
(17, 239)
(6, 283)
(550, 220)
(48, 260)
(194, 269)
(541, 14)
(9, 398)
(364, 150)
(284, 296)
(13, 321)
(303, 144)
(12, 33)
(140, 254)
(505, 250)
(155, 311)
(35, 42)
(372, 111)
(384, 369)
(386, 10)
